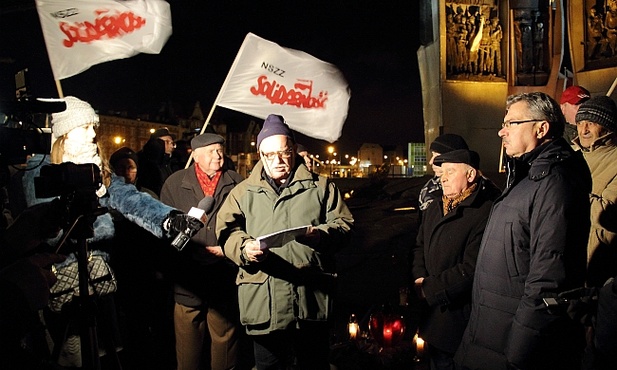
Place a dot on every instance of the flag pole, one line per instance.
(59, 88)
(610, 91)
(218, 97)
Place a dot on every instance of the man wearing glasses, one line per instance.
(533, 248)
(284, 288)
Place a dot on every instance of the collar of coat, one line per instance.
(537, 163)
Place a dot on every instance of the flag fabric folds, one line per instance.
(82, 33)
(265, 78)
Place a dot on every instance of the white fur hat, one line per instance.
(77, 113)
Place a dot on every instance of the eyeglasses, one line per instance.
(507, 124)
(280, 154)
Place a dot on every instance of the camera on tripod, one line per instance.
(76, 185)
(65, 178)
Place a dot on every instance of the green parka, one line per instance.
(295, 281)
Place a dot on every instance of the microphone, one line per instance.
(204, 206)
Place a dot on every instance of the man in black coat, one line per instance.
(534, 247)
(205, 289)
(447, 245)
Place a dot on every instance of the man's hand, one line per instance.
(418, 288)
(215, 250)
(253, 253)
(311, 238)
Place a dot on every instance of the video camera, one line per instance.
(68, 177)
(76, 185)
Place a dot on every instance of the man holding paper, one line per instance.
(284, 288)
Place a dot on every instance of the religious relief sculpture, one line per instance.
(600, 33)
(530, 45)
(473, 42)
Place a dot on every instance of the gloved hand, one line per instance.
(178, 222)
(582, 304)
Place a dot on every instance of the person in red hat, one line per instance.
(571, 99)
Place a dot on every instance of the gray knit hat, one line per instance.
(77, 113)
(601, 110)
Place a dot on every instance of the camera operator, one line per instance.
(74, 147)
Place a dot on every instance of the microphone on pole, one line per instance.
(205, 205)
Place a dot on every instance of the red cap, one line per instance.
(574, 95)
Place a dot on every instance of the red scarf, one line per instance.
(208, 185)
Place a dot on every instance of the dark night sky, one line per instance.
(373, 43)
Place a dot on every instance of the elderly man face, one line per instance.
(277, 156)
(588, 132)
(456, 177)
(209, 158)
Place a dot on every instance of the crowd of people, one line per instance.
(514, 278)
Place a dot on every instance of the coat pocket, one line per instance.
(313, 304)
(509, 250)
(255, 303)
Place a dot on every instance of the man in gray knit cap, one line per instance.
(596, 123)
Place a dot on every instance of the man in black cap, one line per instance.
(285, 288)
(166, 137)
(596, 123)
(432, 189)
(447, 245)
(205, 290)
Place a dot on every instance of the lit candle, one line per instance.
(419, 346)
(353, 327)
(387, 335)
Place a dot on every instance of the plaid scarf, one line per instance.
(449, 204)
(208, 185)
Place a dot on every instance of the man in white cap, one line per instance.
(284, 289)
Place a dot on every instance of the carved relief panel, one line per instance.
(530, 43)
(474, 40)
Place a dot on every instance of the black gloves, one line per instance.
(178, 222)
(182, 226)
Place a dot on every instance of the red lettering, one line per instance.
(300, 96)
(106, 26)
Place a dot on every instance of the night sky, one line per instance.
(373, 43)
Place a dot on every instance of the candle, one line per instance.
(353, 327)
(387, 335)
(419, 346)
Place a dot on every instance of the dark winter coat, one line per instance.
(445, 255)
(201, 276)
(534, 247)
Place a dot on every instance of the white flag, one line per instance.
(265, 78)
(82, 33)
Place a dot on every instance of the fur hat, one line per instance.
(447, 143)
(601, 110)
(274, 125)
(78, 113)
(122, 153)
(574, 95)
(163, 131)
(206, 139)
(459, 156)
